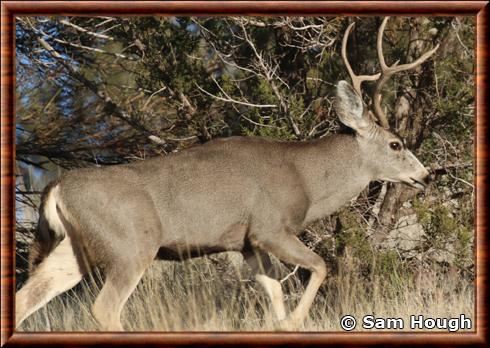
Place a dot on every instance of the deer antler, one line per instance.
(356, 79)
(386, 71)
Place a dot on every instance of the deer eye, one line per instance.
(395, 146)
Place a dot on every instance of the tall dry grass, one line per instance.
(215, 294)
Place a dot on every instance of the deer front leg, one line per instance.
(288, 248)
(261, 266)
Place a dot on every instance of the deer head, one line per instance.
(387, 156)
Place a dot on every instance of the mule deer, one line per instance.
(249, 195)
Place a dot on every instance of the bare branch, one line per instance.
(445, 169)
(108, 20)
(270, 74)
(231, 100)
(88, 32)
(93, 49)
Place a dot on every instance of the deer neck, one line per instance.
(334, 171)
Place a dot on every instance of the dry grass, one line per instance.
(214, 295)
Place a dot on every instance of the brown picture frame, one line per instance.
(10, 9)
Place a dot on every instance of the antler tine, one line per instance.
(388, 71)
(356, 80)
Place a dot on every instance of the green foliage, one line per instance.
(372, 263)
(264, 128)
(446, 230)
(353, 235)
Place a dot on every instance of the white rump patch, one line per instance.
(57, 273)
(51, 212)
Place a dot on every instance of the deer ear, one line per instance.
(350, 108)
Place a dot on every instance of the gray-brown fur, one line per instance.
(244, 194)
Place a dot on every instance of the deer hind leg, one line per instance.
(261, 265)
(288, 248)
(121, 280)
(57, 273)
